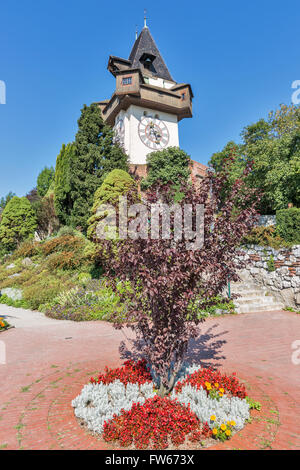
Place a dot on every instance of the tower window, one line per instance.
(127, 81)
(156, 116)
(147, 60)
(183, 96)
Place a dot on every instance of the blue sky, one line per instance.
(240, 58)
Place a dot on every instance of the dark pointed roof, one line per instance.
(145, 46)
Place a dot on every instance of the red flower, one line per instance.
(230, 383)
(131, 372)
(152, 424)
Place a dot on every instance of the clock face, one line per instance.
(119, 129)
(153, 132)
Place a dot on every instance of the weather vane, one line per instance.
(145, 18)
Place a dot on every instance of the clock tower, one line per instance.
(148, 103)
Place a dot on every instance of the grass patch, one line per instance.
(291, 309)
(253, 405)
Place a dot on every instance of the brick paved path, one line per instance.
(47, 366)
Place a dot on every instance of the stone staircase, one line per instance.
(253, 298)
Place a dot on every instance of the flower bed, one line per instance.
(4, 325)
(122, 405)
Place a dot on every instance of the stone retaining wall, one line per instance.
(278, 270)
(267, 220)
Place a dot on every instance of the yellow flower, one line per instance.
(233, 423)
(228, 432)
(220, 394)
(223, 427)
(212, 418)
(216, 385)
(222, 390)
(215, 431)
(2, 324)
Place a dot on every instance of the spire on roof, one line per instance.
(145, 19)
(145, 49)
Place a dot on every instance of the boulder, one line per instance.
(286, 284)
(11, 266)
(295, 281)
(14, 275)
(27, 262)
(12, 293)
(296, 251)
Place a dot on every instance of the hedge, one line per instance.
(288, 224)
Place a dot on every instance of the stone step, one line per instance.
(258, 307)
(250, 293)
(246, 288)
(253, 298)
(267, 299)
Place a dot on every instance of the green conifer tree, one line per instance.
(44, 180)
(96, 154)
(18, 222)
(62, 188)
(117, 183)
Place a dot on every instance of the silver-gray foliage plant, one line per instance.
(224, 409)
(98, 403)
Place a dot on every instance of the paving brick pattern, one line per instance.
(47, 367)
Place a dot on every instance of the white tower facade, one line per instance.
(143, 130)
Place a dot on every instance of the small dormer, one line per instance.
(117, 64)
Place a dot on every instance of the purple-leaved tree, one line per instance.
(168, 280)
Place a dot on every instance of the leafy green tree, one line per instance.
(231, 151)
(256, 132)
(276, 171)
(117, 183)
(96, 155)
(62, 188)
(231, 161)
(18, 222)
(168, 165)
(285, 120)
(44, 180)
(288, 224)
(4, 200)
(273, 147)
